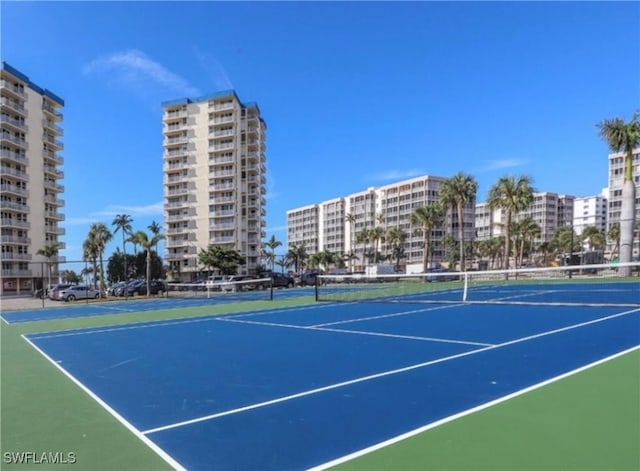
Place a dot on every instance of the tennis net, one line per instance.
(597, 285)
(228, 290)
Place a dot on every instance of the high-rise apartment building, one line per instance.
(214, 180)
(616, 178)
(30, 180)
(334, 225)
(550, 211)
(590, 211)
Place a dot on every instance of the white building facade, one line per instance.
(616, 178)
(31, 187)
(214, 181)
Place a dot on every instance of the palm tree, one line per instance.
(351, 220)
(297, 256)
(122, 222)
(100, 237)
(624, 137)
(511, 196)
(613, 234)
(593, 237)
(49, 251)
(528, 230)
(396, 237)
(426, 219)
(363, 237)
(90, 254)
(377, 236)
(272, 244)
(457, 192)
(147, 245)
(155, 229)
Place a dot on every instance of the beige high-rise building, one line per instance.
(334, 225)
(214, 181)
(30, 180)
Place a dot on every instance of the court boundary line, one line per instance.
(380, 375)
(147, 441)
(459, 415)
(359, 332)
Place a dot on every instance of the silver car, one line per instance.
(77, 292)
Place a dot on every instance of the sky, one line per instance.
(354, 94)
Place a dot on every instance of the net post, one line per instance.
(466, 287)
(317, 281)
(271, 290)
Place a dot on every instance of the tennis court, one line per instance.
(304, 387)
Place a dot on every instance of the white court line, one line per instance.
(380, 375)
(384, 316)
(359, 332)
(159, 451)
(453, 417)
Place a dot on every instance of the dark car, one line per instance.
(308, 278)
(281, 280)
(155, 287)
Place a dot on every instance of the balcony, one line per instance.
(14, 172)
(224, 133)
(222, 119)
(52, 126)
(19, 207)
(14, 106)
(174, 114)
(222, 146)
(17, 125)
(51, 185)
(16, 273)
(14, 223)
(175, 153)
(54, 200)
(16, 257)
(15, 140)
(14, 156)
(55, 230)
(173, 128)
(53, 171)
(14, 190)
(175, 141)
(14, 89)
(224, 106)
(53, 156)
(7, 239)
(54, 215)
(52, 141)
(49, 109)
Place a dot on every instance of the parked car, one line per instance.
(281, 280)
(55, 290)
(140, 288)
(231, 284)
(77, 292)
(441, 275)
(307, 278)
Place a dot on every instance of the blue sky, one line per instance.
(354, 94)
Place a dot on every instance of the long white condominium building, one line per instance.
(550, 211)
(334, 225)
(214, 180)
(30, 177)
(616, 178)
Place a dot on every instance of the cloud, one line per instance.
(149, 210)
(503, 163)
(394, 175)
(135, 70)
(217, 74)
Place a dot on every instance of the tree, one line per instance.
(363, 237)
(122, 222)
(99, 236)
(425, 219)
(593, 237)
(224, 259)
(155, 229)
(511, 196)
(377, 236)
(613, 234)
(147, 245)
(396, 237)
(351, 220)
(297, 256)
(528, 230)
(49, 251)
(272, 244)
(457, 192)
(624, 137)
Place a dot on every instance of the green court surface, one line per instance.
(586, 421)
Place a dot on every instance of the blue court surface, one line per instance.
(296, 388)
(62, 310)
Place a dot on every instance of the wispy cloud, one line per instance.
(393, 175)
(216, 72)
(108, 213)
(135, 70)
(502, 164)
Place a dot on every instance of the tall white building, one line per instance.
(333, 225)
(590, 211)
(550, 211)
(616, 178)
(214, 180)
(30, 179)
